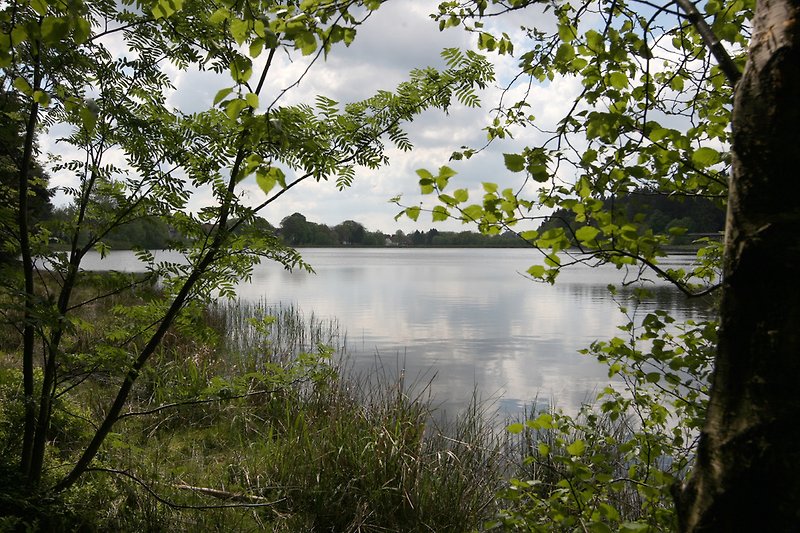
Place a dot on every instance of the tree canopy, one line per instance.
(94, 73)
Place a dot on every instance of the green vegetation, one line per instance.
(94, 71)
(11, 150)
(250, 423)
(660, 214)
(665, 106)
(296, 230)
(681, 218)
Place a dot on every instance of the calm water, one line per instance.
(466, 315)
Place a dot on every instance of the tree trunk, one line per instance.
(747, 476)
(28, 332)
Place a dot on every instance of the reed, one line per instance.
(258, 423)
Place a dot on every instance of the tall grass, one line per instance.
(269, 431)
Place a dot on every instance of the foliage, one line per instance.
(297, 231)
(259, 427)
(12, 124)
(651, 112)
(682, 218)
(614, 466)
(95, 74)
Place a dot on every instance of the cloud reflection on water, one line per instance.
(465, 315)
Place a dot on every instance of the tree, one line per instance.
(12, 123)
(62, 62)
(663, 105)
(350, 232)
(295, 229)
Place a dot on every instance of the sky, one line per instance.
(397, 38)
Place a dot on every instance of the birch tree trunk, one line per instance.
(747, 476)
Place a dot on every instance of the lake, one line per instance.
(466, 315)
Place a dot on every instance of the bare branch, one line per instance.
(243, 504)
(711, 41)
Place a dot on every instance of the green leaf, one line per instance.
(239, 30)
(260, 28)
(88, 118)
(235, 107)
(576, 448)
(543, 449)
(54, 29)
(221, 94)
(446, 172)
(349, 36)
(82, 30)
(515, 428)
(537, 271)
(599, 527)
(40, 6)
(543, 421)
(256, 47)
(514, 162)
(565, 54)
(424, 175)
(595, 42)
(306, 42)
(677, 231)
(472, 213)
(219, 16)
(252, 100)
(440, 213)
(166, 8)
(489, 187)
(266, 180)
(21, 84)
(618, 80)
(102, 248)
(41, 98)
(587, 233)
(656, 134)
(413, 213)
(705, 157)
(447, 199)
(461, 195)
(241, 69)
(566, 32)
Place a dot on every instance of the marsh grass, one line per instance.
(251, 420)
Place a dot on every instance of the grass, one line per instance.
(251, 423)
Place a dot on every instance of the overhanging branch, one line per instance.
(726, 64)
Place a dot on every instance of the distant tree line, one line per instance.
(296, 230)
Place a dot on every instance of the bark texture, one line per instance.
(747, 476)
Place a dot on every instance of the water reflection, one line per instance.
(467, 315)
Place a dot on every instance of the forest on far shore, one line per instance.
(698, 216)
